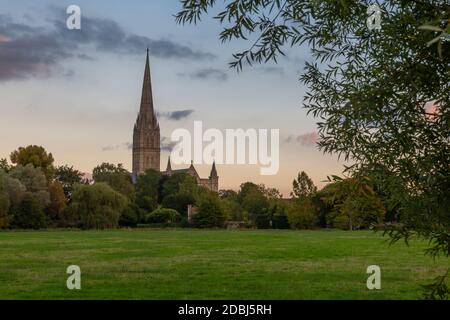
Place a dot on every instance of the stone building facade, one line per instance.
(147, 141)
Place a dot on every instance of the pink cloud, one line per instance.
(308, 139)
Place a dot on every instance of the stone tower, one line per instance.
(146, 134)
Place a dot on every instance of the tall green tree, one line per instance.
(172, 184)
(4, 165)
(34, 181)
(4, 203)
(30, 213)
(117, 177)
(354, 203)
(68, 177)
(147, 190)
(58, 201)
(96, 206)
(210, 212)
(36, 156)
(368, 88)
(303, 186)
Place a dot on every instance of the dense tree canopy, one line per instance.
(147, 190)
(117, 177)
(36, 156)
(303, 186)
(34, 181)
(97, 206)
(68, 177)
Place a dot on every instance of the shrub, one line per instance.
(210, 213)
(97, 206)
(30, 213)
(164, 216)
(301, 214)
(280, 222)
(131, 216)
(261, 220)
(58, 200)
(178, 202)
(4, 204)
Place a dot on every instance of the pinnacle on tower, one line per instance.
(169, 166)
(213, 170)
(146, 109)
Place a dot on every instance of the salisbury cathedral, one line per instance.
(147, 141)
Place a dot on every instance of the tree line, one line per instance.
(34, 194)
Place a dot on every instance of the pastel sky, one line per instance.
(77, 93)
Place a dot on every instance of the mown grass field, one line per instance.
(199, 264)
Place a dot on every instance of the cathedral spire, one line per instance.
(213, 170)
(147, 95)
(169, 166)
(146, 132)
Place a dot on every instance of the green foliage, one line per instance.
(4, 166)
(181, 190)
(303, 186)
(147, 190)
(190, 187)
(163, 216)
(4, 203)
(96, 206)
(228, 194)
(210, 213)
(34, 181)
(131, 215)
(261, 220)
(438, 289)
(231, 207)
(58, 200)
(301, 214)
(36, 156)
(178, 202)
(355, 204)
(30, 213)
(233, 210)
(68, 177)
(278, 210)
(116, 177)
(280, 222)
(172, 184)
(252, 199)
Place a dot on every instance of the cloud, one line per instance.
(110, 148)
(308, 139)
(207, 74)
(167, 144)
(27, 51)
(176, 115)
(128, 145)
(125, 146)
(271, 70)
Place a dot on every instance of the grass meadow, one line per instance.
(211, 264)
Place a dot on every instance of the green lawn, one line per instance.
(194, 264)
